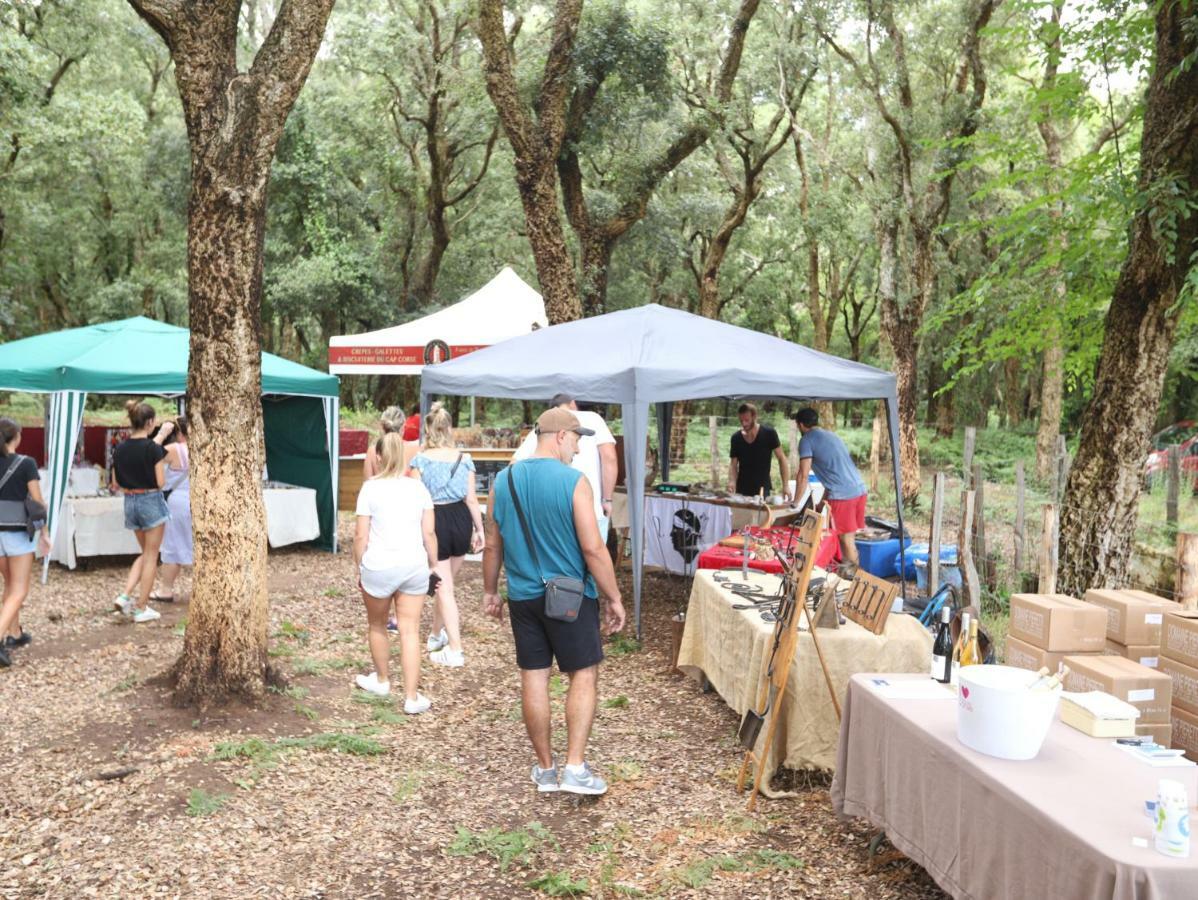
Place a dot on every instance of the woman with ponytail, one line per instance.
(18, 483)
(138, 468)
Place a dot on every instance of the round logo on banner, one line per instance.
(435, 352)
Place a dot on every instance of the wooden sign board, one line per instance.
(869, 601)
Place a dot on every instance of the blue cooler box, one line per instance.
(880, 558)
(917, 564)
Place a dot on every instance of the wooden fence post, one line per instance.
(1185, 586)
(712, 425)
(981, 559)
(875, 450)
(1048, 551)
(934, 537)
(1172, 488)
(1020, 524)
(971, 438)
(971, 593)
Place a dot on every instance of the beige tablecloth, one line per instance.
(731, 648)
(95, 526)
(1060, 825)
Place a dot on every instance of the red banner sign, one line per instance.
(433, 352)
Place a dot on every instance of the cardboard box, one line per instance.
(1023, 655)
(1161, 734)
(1130, 620)
(1185, 684)
(1185, 732)
(1145, 654)
(1179, 637)
(1058, 623)
(1146, 689)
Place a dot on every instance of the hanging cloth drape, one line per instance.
(66, 416)
(332, 424)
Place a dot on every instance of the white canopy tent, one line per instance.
(651, 354)
(505, 307)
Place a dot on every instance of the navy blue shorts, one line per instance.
(539, 639)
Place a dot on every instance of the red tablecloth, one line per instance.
(718, 557)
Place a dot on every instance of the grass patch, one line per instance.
(382, 708)
(698, 873)
(561, 884)
(558, 686)
(333, 592)
(281, 650)
(180, 629)
(505, 847)
(293, 632)
(306, 665)
(626, 770)
(265, 755)
(615, 702)
(622, 645)
(306, 711)
(407, 786)
(201, 803)
(126, 684)
(294, 691)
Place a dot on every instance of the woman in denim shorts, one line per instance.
(16, 546)
(138, 469)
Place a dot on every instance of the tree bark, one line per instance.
(536, 138)
(1098, 513)
(234, 121)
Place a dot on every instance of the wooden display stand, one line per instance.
(777, 673)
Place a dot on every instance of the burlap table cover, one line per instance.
(731, 648)
(1060, 825)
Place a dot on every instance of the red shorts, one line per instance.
(848, 516)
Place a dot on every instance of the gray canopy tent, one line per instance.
(652, 354)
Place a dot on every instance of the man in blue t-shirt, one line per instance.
(559, 511)
(844, 489)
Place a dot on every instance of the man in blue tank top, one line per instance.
(559, 509)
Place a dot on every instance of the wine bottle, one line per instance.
(971, 653)
(942, 649)
(959, 645)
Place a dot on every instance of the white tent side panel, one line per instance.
(503, 308)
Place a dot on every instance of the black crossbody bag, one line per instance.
(563, 594)
(27, 513)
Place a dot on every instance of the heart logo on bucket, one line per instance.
(965, 692)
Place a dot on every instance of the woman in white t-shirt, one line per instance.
(395, 548)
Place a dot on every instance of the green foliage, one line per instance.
(505, 847)
(293, 632)
(561, 884)
(623, 644)
(264, 755)
(615, 702)
(202, 803)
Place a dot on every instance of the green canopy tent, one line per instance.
(301, 406)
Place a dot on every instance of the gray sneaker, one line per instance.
(545, 779)
(587, 782)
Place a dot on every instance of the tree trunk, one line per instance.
(596, 264)
(1012, 392)
(234, 121)
(536, 137)
(901, 333)
(678, 428)
(224, 649)
(1098, 517)
(1052, 389)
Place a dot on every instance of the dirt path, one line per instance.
(108, 791)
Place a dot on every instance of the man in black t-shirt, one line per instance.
(752, 448)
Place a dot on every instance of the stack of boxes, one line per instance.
(1179, 661)
(1133, 632)
(1046, 628)
(1133, 627)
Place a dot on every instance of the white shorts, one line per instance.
(401, 579)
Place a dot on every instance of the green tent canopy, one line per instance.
(142, 356)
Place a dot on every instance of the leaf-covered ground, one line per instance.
(106, 790)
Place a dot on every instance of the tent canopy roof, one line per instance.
(502, 308)
(132, 356)
(654, 354)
